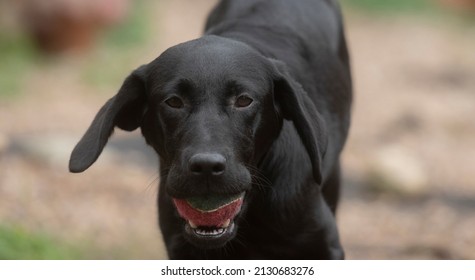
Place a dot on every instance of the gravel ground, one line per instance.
(414, 107)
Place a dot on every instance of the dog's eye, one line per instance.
(243, 101)
(175, 102)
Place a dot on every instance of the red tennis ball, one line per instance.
(209, 211)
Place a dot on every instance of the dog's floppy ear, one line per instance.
(124, 110)
(294, 104)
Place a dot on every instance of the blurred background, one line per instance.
(409, 163)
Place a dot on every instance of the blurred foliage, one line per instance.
(17, 56)
(118, 48)
(17, 243)
(134, 31)
(392, 6)
(417, 8)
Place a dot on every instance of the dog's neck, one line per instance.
(289, 166)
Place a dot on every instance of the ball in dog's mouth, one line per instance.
(210, 216)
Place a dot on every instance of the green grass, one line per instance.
(426, 9)
(17, 56)
(134, 31)
(114, 51)
(119, 48)
(392, 6)
(19, 244)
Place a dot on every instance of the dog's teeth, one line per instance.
(192, 225)
(210, 232)
(226, 223)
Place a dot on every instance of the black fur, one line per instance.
(290, 60)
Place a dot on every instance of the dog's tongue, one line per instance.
(209, 211)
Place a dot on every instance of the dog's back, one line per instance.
(316, 23)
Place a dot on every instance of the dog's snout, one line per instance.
(207, 164)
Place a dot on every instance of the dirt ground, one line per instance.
(414, 83)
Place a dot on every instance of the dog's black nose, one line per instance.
(207, 164)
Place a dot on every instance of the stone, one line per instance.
(397, 169)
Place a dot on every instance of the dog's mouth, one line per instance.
(210, 219)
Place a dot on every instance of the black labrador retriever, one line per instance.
(248, 122)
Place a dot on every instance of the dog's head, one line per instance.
(211, 108)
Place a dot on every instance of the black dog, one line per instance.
(248, 120)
